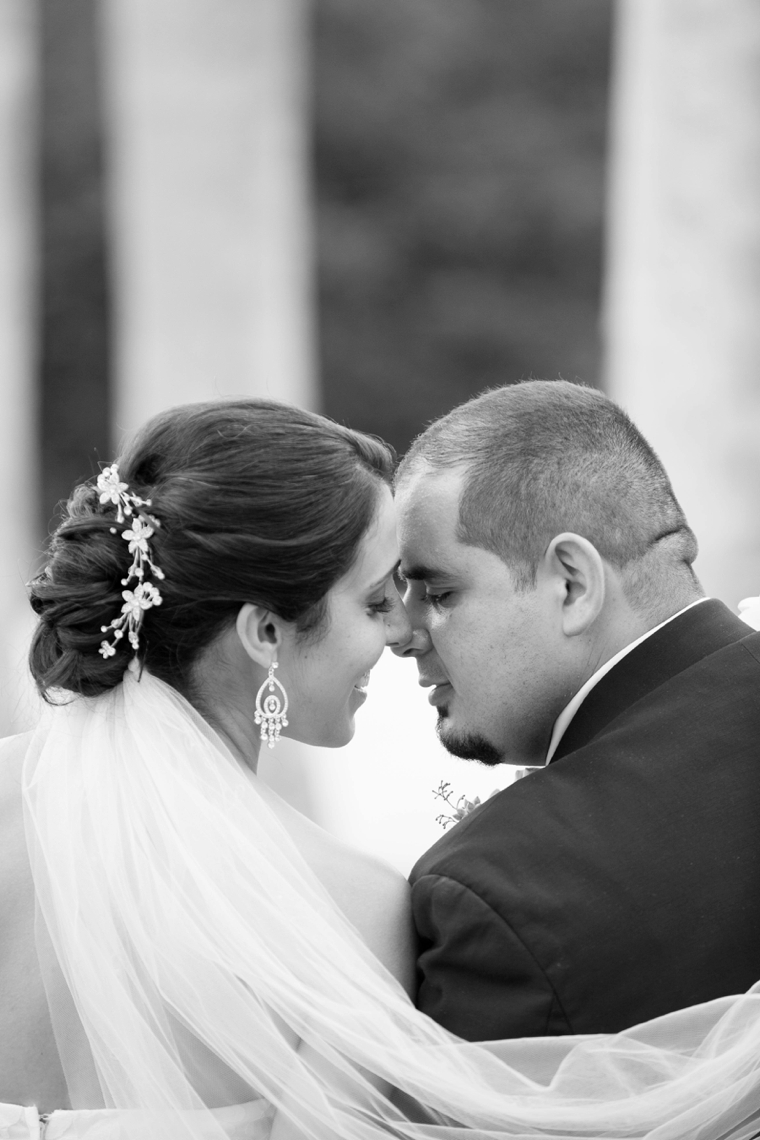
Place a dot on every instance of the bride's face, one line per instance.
(326, 679)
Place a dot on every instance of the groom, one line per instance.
(561, 627)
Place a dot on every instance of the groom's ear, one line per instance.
(577, 567)
(260, 633)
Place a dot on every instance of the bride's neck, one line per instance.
(241, 737)
(222, 699)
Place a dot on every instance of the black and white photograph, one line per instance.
(380, 600)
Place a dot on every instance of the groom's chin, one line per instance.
(467, 745)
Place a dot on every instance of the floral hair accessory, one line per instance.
(143, 595)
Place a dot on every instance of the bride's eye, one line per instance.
(382, 607)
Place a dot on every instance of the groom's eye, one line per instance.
(429, 598)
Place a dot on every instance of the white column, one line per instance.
(18, 461)
(208, 155)
(683, 277)
(208, 144)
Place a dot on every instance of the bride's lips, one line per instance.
(362, 683)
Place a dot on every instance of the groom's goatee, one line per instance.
(468, 746)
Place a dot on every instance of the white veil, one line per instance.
(197, 946)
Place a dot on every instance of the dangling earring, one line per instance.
(270, 709)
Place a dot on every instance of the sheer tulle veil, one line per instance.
(180, 922)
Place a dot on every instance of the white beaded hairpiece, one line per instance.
(144, 595)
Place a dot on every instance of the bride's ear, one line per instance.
(260, 633)
(578, 567)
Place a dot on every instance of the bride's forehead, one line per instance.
(382, 529)
(377, 554)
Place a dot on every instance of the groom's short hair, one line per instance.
(543, 457)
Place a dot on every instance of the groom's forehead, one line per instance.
(428, 496)
(428, 520)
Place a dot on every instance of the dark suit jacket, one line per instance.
(622, 881)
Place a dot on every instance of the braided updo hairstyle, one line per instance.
(257, 502)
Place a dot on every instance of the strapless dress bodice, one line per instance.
(251, 1121)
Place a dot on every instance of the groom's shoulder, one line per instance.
(662, 754)
(508, 818)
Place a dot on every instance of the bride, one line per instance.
(181, 953)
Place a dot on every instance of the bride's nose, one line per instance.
(398, 628)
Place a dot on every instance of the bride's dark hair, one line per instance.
(258, 502)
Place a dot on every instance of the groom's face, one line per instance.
(486, 649)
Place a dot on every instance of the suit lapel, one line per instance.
(683, 642)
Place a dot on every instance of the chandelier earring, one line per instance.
(271, 708)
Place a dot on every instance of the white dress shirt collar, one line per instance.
(569, 711)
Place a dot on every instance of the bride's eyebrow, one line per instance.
(381, 581)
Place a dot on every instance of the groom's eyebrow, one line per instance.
(419, 573)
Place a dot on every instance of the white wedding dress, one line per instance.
(181, 923)
(244, 1122)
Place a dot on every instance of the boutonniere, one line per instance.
(456, 810)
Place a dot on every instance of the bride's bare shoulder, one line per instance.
(12, 752)
(16, 890)
(12, 842)
(374, 896)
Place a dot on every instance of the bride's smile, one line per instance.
(324, 670)
(327, 676)
(363, 683)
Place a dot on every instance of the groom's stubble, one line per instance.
(467, 746)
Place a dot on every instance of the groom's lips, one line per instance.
(440, 693)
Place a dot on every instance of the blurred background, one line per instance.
(376, 208)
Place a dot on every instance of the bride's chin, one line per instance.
(337, 735)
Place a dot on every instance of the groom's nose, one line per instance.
(415, 645)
